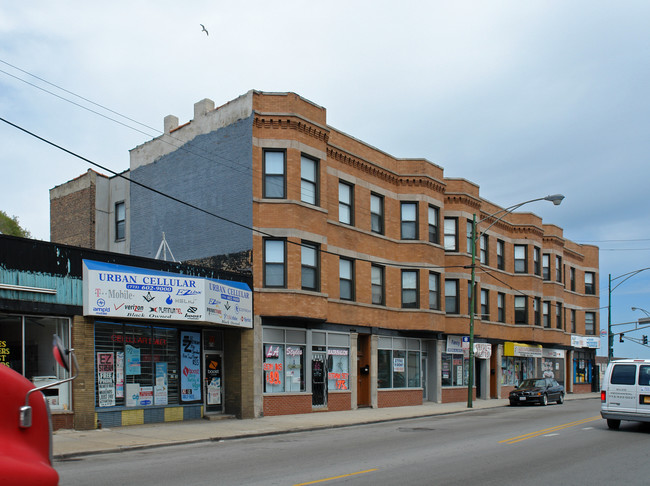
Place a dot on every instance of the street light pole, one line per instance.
(556, 199)
(610, 336)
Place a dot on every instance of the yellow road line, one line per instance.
(336, 477)
(514, 440)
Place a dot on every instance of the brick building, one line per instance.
(360, 261)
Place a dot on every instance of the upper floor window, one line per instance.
(572, 277)
(434, 214)
(537, 310)
(346, 203)
(546, 266)
(274, 185)
(410, 289)
(485, 304)
(451, 234)
(120, 221)
(501, 255)
(589, 283)
(485, 250)
(558, 315)
(377, 213)
(469, 297)
(573, 320)
(309, 266)
(558, 268)
(521, 259)
(501, 307)
(521, 310)
(468, 232)
(546, 317)
(308, 180)
(590, 323)
(274, 263)
(346, 279)
(434, 290)
(377, 284)
(536, 261)
(409, 228)
(451, 296)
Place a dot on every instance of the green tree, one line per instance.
(10, 226)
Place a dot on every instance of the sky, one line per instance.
(524, 99)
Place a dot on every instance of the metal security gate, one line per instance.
(318, 379)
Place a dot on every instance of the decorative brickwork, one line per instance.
(451, 395)
(339, 401)
(399, 398)
(287, 404)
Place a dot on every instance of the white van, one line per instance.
(625, 394)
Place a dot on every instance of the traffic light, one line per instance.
(620, 337)
(645, 339)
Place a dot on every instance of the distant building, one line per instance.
(360, 261)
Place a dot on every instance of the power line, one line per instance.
(210, 213)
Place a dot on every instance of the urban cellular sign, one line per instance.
(121, 291)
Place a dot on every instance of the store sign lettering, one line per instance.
(117, 338)
(273, 352)
(341, 380)
(4, 353)
(273, 373)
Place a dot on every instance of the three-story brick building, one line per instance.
(360, 261)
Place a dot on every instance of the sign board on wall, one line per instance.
(455, 344)
(121, 291)
(586, 341)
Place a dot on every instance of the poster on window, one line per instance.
(133, 366)
(106, 379)
(190, 366)
(398, 365)
(161, 387)
(119, 374)
(132, 394)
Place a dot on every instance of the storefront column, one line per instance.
(498, 351)
(570, 378)
(354, 370)
(484, 376)
(435, 352)
(83, 387)
(258, 374)
(374, 364)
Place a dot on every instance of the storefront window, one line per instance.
(11, 342)
(338, 366)
(455, 370)
(582, 368)
(384, 368)
(397, 366)
(514, 369)
(138, 366)
(273, 368)
(284, 360)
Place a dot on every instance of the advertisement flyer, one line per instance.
(161, 387)
(106, 379)
(190, 366)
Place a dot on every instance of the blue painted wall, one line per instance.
(213, 172)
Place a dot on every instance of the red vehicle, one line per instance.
(26, 427)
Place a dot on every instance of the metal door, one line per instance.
(319, 379)
(423, 376)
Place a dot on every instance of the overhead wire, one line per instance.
(210, 213)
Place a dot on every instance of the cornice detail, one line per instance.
(289, 123)
(464, 199)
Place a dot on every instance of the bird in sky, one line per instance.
(203, 29)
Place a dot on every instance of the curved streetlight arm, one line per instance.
(556, 199)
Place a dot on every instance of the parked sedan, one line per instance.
(537, 390)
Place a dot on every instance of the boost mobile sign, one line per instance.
(120, 291)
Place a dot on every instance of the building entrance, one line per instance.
(319, 379)
(213, 380)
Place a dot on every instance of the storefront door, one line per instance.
(213, 380)
(424, 378)
(319, 379)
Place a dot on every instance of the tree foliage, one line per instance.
(11, 226)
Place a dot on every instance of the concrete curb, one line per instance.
(280, 430)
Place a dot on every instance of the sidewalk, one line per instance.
(75, 443)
